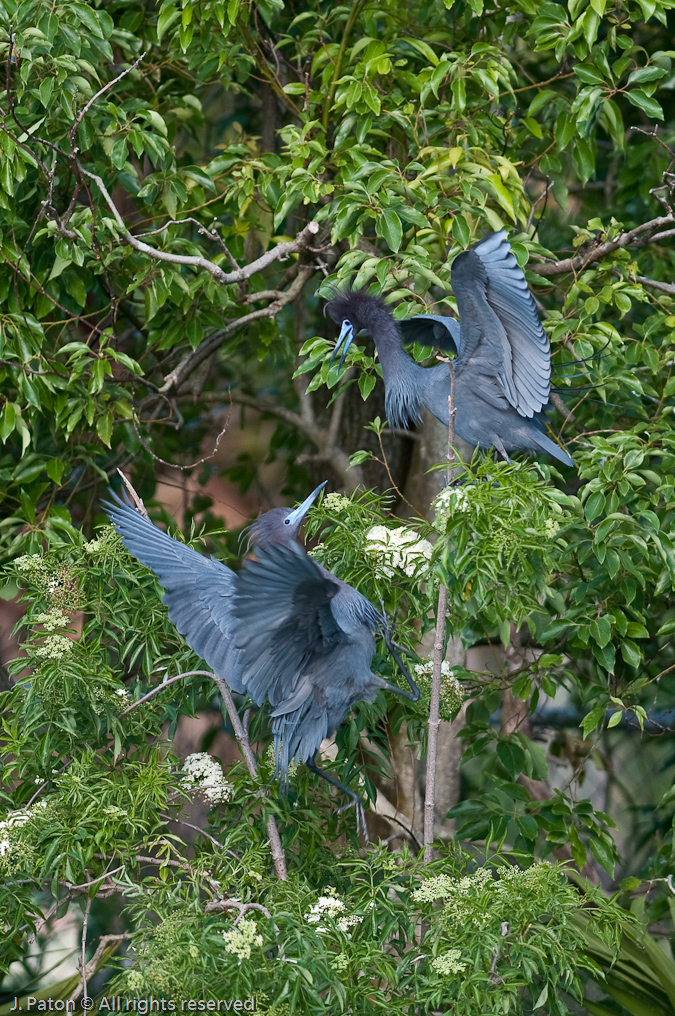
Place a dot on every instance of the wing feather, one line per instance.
(199, 590)
(498, 313)
(284, 621)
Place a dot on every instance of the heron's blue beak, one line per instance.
(299, 513)
(346, 335)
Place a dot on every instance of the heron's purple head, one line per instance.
(281, 525)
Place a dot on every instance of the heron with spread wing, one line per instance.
(283, 629)
(503, 357)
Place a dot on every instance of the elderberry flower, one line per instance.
(336, 503)
(54, 647)
(325, 906)
(452, 693)
(52, 619)
(451, 501)
(551, 527)
(202, 773)
(447, 964)
(397, 548)
(240, 940)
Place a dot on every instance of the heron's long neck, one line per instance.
(403, 378)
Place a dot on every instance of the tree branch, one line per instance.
(278, 253)
(598, 249)
(217, 907)
(276, 848)
(192, 360)
(664, 287)
(439, 645)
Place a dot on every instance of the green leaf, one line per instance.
(104, 425)
(389, 226)
(615, 718)
(366, 384)
(167, 16)
(644, 74)
(595, 505)
(584, 159)
(601, 631)
(603, 853)
(592, 719)
(7, 419)
(644, 102)
(631, 653)
(358, 457)
(511, 756)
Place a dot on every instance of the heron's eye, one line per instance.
(287, 522)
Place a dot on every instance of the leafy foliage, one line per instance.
(154, 160)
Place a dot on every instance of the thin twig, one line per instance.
(198, 829)
(191, 361)
(597, 249)
(276, 847)
(165, 684)
(83, 961)
(217, 907)
(87, 885)
(136, 500)
(192, 465)
(72, 134)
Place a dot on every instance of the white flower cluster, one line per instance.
(54, 647)
(447, 886)
(13, 822)
(331, 906)
(448, 963)
(345, 923)
(452, 693)
(551, 527)
(397, 548)
(336, 503)
(203, 774)
(241, 939)
(451, 501)
(52, 619)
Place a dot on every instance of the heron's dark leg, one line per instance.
(502, 450)
(414, 692)
(356, 802)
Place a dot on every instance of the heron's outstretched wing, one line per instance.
(501, 329)
(432, 330)
(199, 590)
(284, 622)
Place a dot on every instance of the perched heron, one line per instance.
(283, 629)
(503, 363)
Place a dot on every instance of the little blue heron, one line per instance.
(283, 629)
(200, 590)
(503, 364)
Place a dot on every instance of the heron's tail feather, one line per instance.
(544, 443)
(298, 735)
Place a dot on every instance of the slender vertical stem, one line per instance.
(439, 646)
(83, 961)
(434, 721)
(337, 71)
(276, 848)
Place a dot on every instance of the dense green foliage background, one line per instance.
(153, 158)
